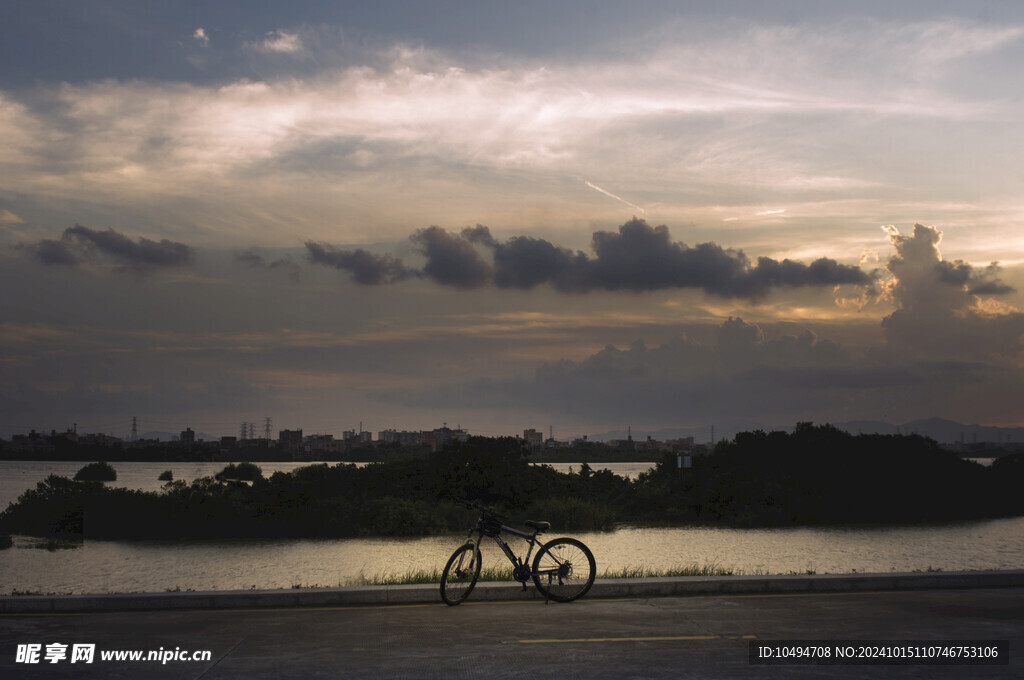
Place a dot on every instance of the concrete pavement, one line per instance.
(508, 591)
(696, 636)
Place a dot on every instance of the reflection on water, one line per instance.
(115, 566)
(156, 566)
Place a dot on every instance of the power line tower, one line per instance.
(266, 428)
(135, 429)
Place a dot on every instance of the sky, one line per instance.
(575, 217)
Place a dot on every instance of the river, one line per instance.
(157, 566)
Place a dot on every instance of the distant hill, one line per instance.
(941, 430)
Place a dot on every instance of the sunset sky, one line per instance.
(581, 215)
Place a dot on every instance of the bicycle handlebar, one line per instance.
(477, 505)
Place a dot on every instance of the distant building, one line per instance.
(534, 439)
(187, 436)
(98, 439)
(31, 443)
(650, 444)
(320, 444)
(681, 444)
(443, 436)
(403, 437)
(291, 440)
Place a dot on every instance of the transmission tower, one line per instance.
(135, 429)
(266, 428)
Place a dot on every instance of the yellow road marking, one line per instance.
(663, 638)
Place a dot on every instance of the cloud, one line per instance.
(278, 41)
(940, 309)
(7, 217)
(426, 103)
(49, 251)
(637, 258)
(975, 282)
(365, 267)
(254, 259)
(640, 257)
(451, 260)
(81, 244)
(941, 353)
(682, 381)
(524, 262)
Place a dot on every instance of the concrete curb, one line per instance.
(506, 591)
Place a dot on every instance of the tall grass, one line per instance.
(421, 576)
(432, 576)
(706, 569)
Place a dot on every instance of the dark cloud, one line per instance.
(141, 253)
(49, 251)
(739, 373)
(451, 260)
(254, 259)
(640, 257)
(479, 234)
(81, 244)
(977, 282)
(636, 258)
(365, 267)
(524, 262)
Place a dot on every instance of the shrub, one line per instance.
(166, 476)
(572, 514)
(96, 472)
(242, 471)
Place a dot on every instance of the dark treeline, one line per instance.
(816, 475)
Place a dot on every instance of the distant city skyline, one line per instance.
(942, 430)
(580, 215)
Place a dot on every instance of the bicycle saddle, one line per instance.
(539, 526)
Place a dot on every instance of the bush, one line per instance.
(390, 516)
(96, 472)
(166, 476)
(243, 471)
(572, 514)
(54, 507)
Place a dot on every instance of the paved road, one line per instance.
(672, 637)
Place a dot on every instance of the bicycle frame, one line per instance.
(522, 566)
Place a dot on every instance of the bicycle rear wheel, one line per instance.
(564, 570)
(460, 574)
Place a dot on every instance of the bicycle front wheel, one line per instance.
(460, 574)
(564, 570)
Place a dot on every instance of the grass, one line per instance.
(433, 576)
(707, 569)
(55, 544)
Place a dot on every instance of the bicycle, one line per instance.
(563, 569)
